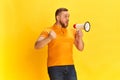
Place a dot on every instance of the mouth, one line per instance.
(67, 22)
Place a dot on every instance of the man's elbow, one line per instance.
(36, 46)
(80, 48)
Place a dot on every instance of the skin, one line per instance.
(62, 19)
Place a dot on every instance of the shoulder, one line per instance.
(72, 30)
(45, 32)
(47, 29)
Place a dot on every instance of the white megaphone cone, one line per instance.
(85, 26)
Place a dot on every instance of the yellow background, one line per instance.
(21, 22)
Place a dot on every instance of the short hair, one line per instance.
(59, 10)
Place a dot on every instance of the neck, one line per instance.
(57, 23)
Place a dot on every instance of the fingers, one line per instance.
(52, 34)
(79, 33)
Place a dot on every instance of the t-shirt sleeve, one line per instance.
(74, 31)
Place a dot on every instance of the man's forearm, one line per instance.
(79, 43)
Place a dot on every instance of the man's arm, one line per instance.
(78, 40)
(42, 41)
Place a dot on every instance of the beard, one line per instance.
(63, 24)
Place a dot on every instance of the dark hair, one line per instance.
(59, 10)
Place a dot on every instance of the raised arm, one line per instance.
(42, 41)
(78, 40)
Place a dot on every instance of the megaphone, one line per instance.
(85, 26)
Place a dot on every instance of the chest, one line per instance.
(63, 36)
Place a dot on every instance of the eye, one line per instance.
(66, 16)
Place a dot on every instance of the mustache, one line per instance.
(63, 24)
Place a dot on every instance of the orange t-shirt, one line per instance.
(60, 49)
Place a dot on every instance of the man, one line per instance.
(60, 42)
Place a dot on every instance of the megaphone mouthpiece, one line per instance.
(78, 26)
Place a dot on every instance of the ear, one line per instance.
(58, 17)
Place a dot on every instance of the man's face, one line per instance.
(63, 18)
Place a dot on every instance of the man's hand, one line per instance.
(52, 35)
(79, 34)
